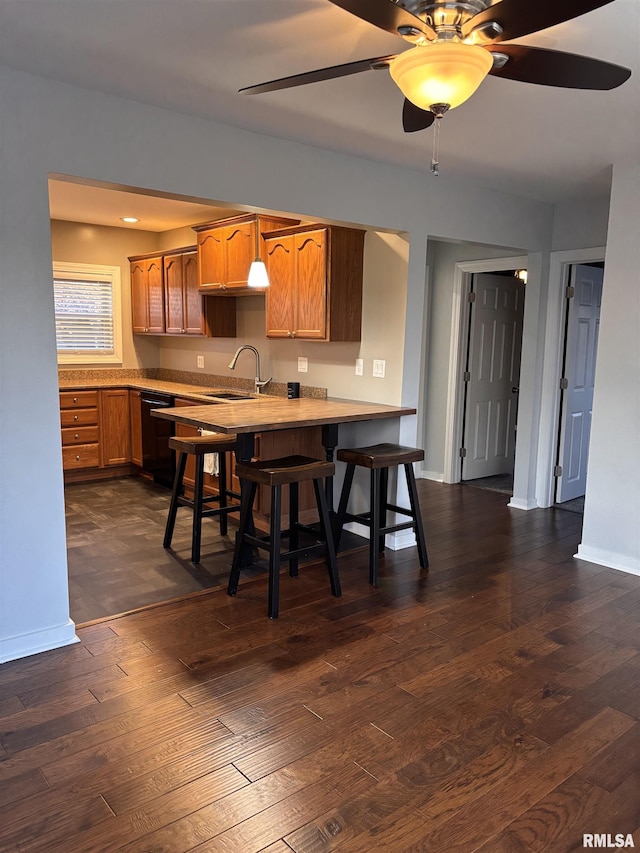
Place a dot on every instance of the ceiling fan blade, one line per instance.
(553, 68)
(521, 17)
(385, 14)
(315, 76)
(413, 118)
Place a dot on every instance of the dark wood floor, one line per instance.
(491, 704)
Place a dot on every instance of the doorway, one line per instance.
(582, 321)
(491, 379)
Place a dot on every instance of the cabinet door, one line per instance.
(173, 295)
(311, 278)
(155, 295)
(211, 259)
(115, 427)
(186, 431)
(280, 301)
(135, 421)
(192, 300)
(240, 249)
(139, 312)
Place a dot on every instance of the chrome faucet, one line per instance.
(259, 383)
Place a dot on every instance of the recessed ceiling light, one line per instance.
(131, 219)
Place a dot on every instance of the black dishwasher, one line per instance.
(157, 458)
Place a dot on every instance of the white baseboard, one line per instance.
(12, 648)
(437, 476)
(394, 541)
(610, 559)
(523, 503)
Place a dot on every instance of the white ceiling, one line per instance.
(101, 205)
(193, 55)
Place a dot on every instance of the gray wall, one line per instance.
(48, 127)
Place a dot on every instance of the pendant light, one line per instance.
(257, 271)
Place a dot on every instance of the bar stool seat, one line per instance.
(199, 446)
(378, 458)
(276, 473)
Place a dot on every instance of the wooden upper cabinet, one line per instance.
(184, 310)
(147, 296)
(165, 298)
(226, 249)
(315, 275)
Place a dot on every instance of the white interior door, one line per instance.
(583, 324)
(495, 346)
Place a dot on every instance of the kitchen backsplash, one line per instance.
(278, 389)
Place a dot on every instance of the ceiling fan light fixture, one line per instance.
(440, 73)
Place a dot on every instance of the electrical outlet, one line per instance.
(379, 368)
(201, 361)
(359, 366)
(303, 364)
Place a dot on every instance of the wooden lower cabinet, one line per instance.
(95, 432)
(115, 427)
(274, 445)
(79, 420)
(211, 481)
(135, 425)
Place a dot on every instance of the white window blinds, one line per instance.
(84, 314)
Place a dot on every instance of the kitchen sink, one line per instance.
(227, 395)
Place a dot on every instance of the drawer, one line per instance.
(78, 399)
(80, 456)
(79, 435)
(78, 417)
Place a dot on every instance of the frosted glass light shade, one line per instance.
(440, 73)
(258, 274)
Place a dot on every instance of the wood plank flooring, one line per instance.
(491, 704)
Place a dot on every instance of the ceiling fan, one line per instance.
(457, 44)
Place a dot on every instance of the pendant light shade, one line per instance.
(257, 271)
(440, 73)
(258, 274)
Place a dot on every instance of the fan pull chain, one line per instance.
(435, 165)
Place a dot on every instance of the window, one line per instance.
(88, 317)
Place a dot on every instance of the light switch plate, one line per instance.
(359, 366)
(201, 361)
(379, 368)
(303, 364)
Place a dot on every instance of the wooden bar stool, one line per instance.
(378, 459)
(276, 473)
(198, 446)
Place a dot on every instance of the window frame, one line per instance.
(80, 272)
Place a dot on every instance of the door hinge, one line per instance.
(571, 292)
(471, 296)
(557, 471)
(564, 384)
(463, 452)
(466, 376)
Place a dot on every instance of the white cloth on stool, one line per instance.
(211, 463)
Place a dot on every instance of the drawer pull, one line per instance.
(76, 435)
(75, 399)
(78, 458)
(75, 417)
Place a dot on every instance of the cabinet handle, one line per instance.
(293, 334)
(288, 334)
(75, 417)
